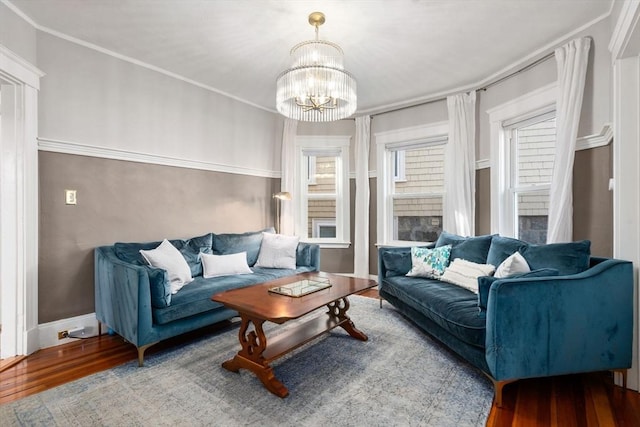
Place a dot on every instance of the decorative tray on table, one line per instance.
(302, 287)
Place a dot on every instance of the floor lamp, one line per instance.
(279, 197)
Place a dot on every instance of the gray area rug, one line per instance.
(399, 377)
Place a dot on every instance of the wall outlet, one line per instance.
(63, 334)
(70, 197)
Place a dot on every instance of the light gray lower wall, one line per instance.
(134, 202)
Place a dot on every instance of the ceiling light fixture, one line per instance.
(316, 88)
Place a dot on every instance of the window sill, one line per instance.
(330, 245)
(402, 244)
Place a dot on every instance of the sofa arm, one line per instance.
(308, 255)
(540, 327)
(122, 296)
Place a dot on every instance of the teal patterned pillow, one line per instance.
(429, 262)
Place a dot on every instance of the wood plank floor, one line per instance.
(575, 400)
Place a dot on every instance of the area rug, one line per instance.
(400, 376)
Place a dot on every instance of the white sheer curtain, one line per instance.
(572, 60)
(458, 209)
(361, 243)
(288, 176)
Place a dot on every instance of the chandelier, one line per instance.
(316, 88)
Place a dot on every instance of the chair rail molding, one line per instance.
(81, 149)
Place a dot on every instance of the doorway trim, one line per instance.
(19, 205)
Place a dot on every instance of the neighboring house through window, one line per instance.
(411, 183)
(523, 135)
(322, 196)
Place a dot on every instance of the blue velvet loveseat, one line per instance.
(134, 299)
(575, 316)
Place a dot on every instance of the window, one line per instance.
(411, 184)
(323, 227)
(532, 152)
(523, 135)
(322, 196)
(399, 166)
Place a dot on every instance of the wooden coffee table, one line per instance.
(257, 305)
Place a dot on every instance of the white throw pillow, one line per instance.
(224, 265)
(167, 257)
(278, 251)
(465, 273)
(512, 265)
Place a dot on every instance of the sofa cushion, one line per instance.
(224, 244)
(427, 262)
(189, 248)
(474, 249)
(514, 264)
(277, 251)
(224, 265)
(485, 282)
(503, 247)
(196, 298)
(465, 273)
(397, 261)
(167, 257)
(453, 308)
(567, 258)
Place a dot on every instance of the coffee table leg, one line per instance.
(250, 357)
(338, 308)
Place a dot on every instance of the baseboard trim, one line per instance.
(48, 332)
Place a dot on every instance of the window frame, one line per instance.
(330, 145)
(502, 119)
(387, 143)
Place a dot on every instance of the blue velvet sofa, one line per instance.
(134, 299)
(576, 316)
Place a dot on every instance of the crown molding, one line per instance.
(623, 30)
(68, 147)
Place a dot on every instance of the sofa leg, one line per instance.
(623, 373)
(497, 387)
(380, 302)
(141, 351)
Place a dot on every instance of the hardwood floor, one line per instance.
(574, 400)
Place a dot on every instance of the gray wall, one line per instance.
(17, 34)
(89, 99)
(592, 200)
(130, 202)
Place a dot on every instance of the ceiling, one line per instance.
(401, 52)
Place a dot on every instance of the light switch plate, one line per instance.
(70, 197)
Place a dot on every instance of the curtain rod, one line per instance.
(483, 88)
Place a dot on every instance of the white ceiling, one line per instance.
(401, 52)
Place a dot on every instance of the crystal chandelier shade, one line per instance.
(316, 88)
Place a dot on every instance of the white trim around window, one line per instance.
(387, 143)
(534, 103)
(338, 146)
